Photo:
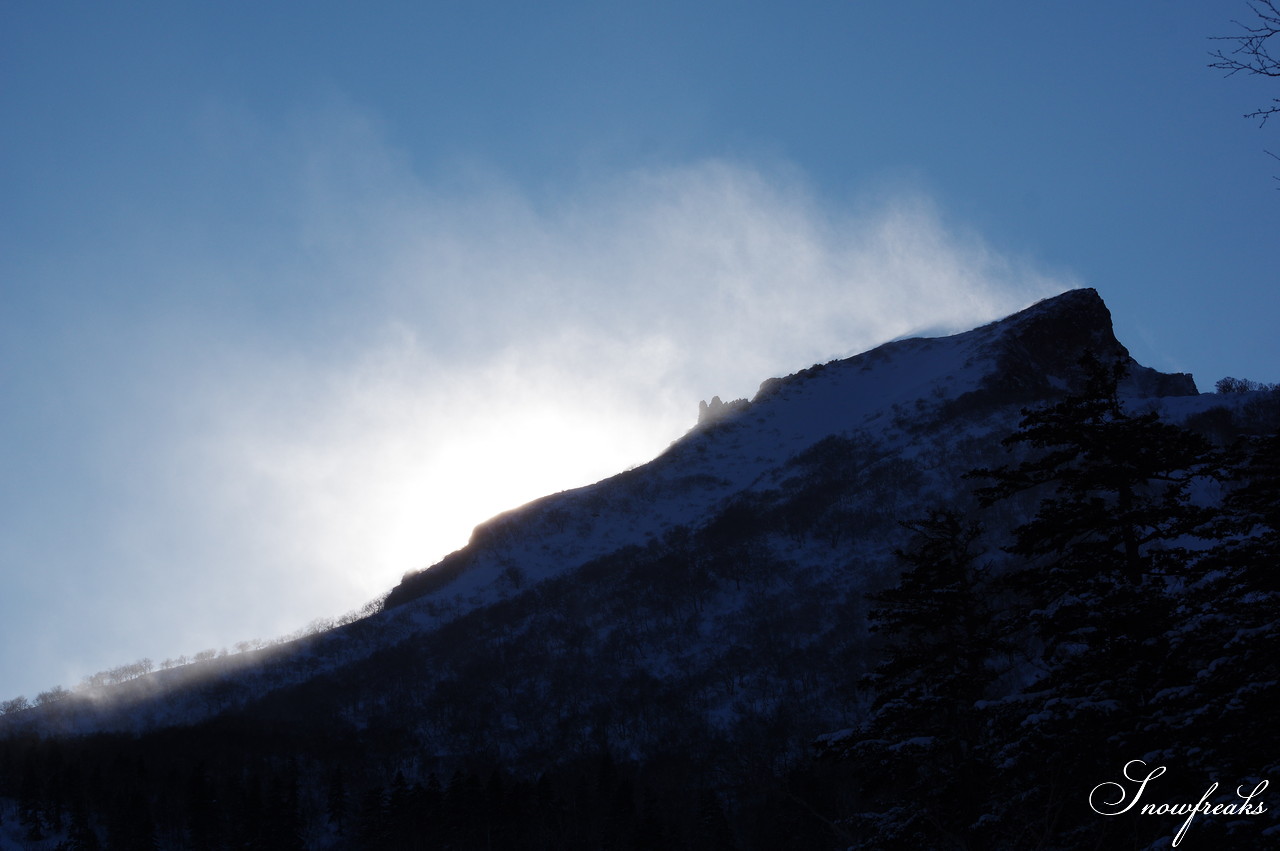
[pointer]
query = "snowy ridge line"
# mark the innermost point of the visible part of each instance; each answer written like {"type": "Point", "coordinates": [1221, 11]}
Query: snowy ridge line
{"type": "Point", "coordinates": [919, 402]}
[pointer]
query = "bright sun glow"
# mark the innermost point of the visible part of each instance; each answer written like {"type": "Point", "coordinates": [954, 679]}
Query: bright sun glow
{"type": "Point", "coordinates": [399, 476]}
{"type": "Point", "coordinates": [517, 350]}
{"type": "Point", "coordinates": [491, 467]}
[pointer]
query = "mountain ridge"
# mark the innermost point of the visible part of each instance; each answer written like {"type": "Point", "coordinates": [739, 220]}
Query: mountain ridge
{"type": "Point", "coordinates": [1026, 350]}
{"type": "Point", "coordinates": [967, 387]}
{"type": "Point", "coordinates": [694, 625]}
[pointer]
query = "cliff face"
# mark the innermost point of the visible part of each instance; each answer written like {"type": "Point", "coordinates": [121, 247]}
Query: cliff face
{"type": "Point", "coordinates": [716, 410]}
{"type": "Point", "coordinates": [1040, 348]}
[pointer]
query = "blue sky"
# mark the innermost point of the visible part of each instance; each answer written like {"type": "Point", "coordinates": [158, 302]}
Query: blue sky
{"type": "Point", "coordinates": [292, 295]}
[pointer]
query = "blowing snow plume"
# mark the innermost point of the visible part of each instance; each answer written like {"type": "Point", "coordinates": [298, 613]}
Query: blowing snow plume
{"type": "Point", "coordinates": [527, 346]}
{"type": "Point", "coordinates": [392, 360]}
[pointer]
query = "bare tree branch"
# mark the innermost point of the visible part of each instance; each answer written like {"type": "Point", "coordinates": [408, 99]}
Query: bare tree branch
{"type": "Point", "coordinates": [1252, 53]}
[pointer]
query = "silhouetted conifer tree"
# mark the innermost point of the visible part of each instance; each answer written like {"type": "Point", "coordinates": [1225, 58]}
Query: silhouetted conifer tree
{"type": "Point", "coordinates": [712, 831]}
{"type": "Point", "coordinates": [373, 819]}
{"type": "Point", "coordinates": [31, 804]}
{"type": "Point", "coordinates": [336, 800]}
{"type": "Point", "coordinates": [1221, 716]}
{"type": "Point", "coordinates": [1095, 574]}
{"type": "Point", "coordinates": [922, 753]}
{"type": "Point", "coordinates": [80, 834]}
{"type": "Point", "coordinates": [202, 820]}
{"type": "Point", "coordinates": [284, 829]}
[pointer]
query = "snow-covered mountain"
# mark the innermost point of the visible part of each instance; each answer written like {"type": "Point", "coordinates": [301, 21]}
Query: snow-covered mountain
{"type": "Point", "coordinates": [754, 535]}
{"type": "Point", "coordinates": [705, 611]}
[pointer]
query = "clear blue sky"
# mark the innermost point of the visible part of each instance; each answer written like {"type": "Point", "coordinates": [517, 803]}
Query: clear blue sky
{"type": "Point", "coordinates": [293, 294]}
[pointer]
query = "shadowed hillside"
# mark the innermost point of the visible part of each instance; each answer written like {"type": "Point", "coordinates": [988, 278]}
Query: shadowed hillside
{"type": "Point", "coordinates": [856, 610]}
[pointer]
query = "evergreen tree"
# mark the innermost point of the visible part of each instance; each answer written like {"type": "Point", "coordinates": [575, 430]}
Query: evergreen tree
{"type": "Point", "coordinates": [1096, 574]}
{"type": "Point", "coordinates": [428, 802]}
{"type": "Point", "coordinates": [80, 834]}
{"type": "Point", "coordinates": [336, 800]}
{"type": "Point", "coordinates": [202, 816]}
{"type": "Point", "coordinates": [130, 826]}
{"type": "Point", "coordinates": [31, 803]}
{"type": "Point", "coordinates": [922, 752]}
{"type": "Point", "coordinates": [400, 828]}
{"type": "Point", "coordinates": [712, 831]}
{"type": "Point", "coordinates": [284, 828]}
{"type": "Point", "coordinates": [373, 819]}
{"type": "Point", "coordinates": [1222, 713]}
{"type": "Point", "coordinates": [1117, 487]}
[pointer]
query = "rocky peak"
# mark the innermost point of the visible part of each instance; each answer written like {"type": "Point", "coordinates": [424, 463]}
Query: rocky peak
{"type": "Point", "coordinates": [716, 410]}
{"type": "Point", "coordinates": [1038, 349]}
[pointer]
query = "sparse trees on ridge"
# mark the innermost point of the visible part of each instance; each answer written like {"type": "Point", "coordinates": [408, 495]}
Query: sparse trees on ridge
{"type": "Point", "coordinates": [133, 670]}
{"type": "Point", "coordinates": [53, 695]}
{"type": "Point", "coordinates": [1241, 385]}
{"type": "Point", "coordinates": [119, 674]}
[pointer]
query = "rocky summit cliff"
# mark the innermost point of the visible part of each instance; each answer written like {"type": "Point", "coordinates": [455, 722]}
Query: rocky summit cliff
{"type": "Point", "coordinates": [703, 618]}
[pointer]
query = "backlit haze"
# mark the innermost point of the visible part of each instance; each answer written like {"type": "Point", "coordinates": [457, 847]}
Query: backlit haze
{"type": "Point", "coordinates": [292, 298]}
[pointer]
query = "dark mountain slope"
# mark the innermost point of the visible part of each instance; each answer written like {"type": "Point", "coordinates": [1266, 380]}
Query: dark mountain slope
{"type": "Point", "coordinates": [702, 618]}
